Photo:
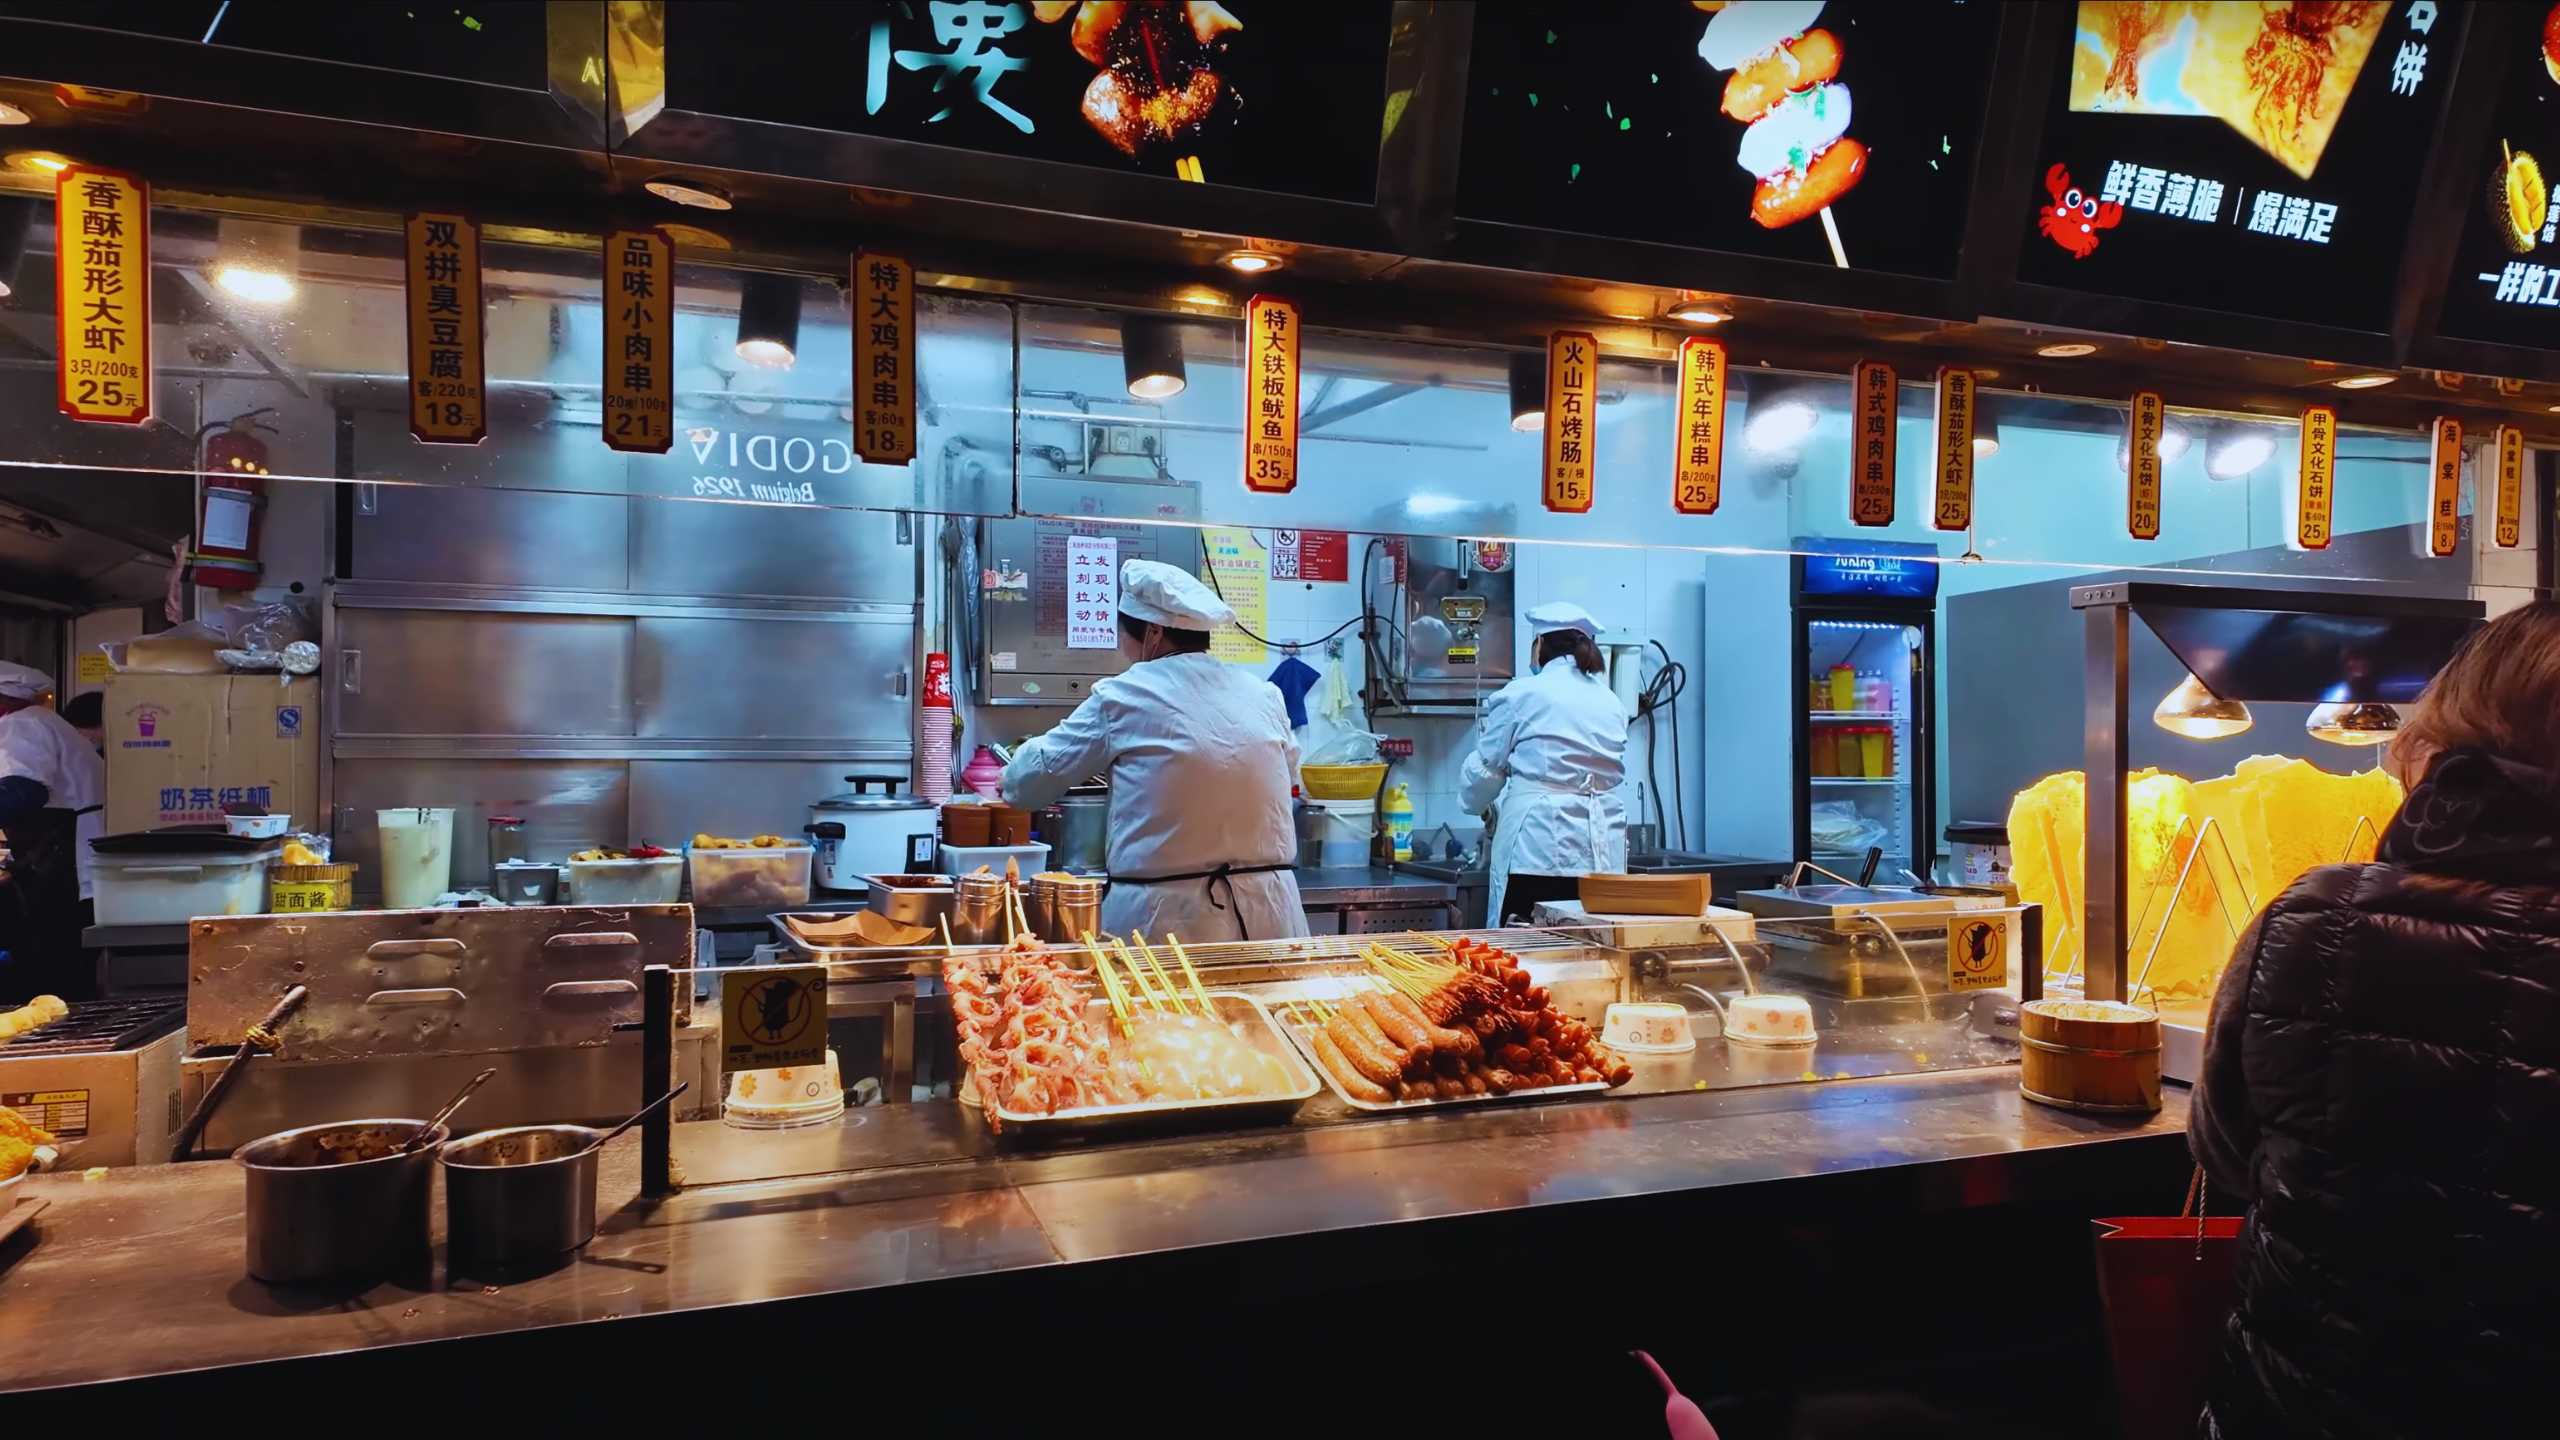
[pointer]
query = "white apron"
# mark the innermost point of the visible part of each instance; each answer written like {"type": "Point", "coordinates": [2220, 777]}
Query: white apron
{"type": "Point", "coordinates": [1553, 747]}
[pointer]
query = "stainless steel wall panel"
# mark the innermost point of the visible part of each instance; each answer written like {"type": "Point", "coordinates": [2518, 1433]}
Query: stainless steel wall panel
{"type": "Point", "coordinates": [755, 679]}
{"type": "Point", "coordinates": [673, 799]}
{"type": "Point", "coordinates": [434, 672]}
{"type": "Point", "coordinates": [456, 536]}
{"type": "Point", "coordinates": [683, 547]}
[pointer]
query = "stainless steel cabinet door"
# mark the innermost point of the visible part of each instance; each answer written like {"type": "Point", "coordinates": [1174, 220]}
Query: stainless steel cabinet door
{"type": "Point", "coordinates": [454, 536]}
{"type": "Point", "coordinates": [441, 672]}
{"type": "Point", "coordinates": [686, 547]}
{"type": "Point", "coordinates": [742, 679]}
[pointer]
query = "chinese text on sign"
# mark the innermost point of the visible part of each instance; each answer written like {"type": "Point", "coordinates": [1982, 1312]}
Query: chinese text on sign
{"type": "Point", "coordinates": [2444, 498]}
{"type": "Point", "coordinates": [2313, 493]}
{"type": "Point", "coordinates": [1271, 396]}
{"type": "Point", "coordinates": [448, 375]}
{"type": "Point", "coordinates": [2145, 423]}
{"type": "Point", "coordinates": [1879, 400]}
{"type": "Point", "coordinates": [2510, 487]}
{"type": "Point", "coordinates": [639, 341]}
{"type": "Point", "coordinates": [1093, 592]}
{"type": "Point", "coordinates": [884, 359]}
{"type": "Point", "coordinates": [102, 278]}
{"type": "Point", "coordinates": [1573, 392]}
{"type": "Point", "coordinates": [1954, 508]}
{"type": "Point", "coordinates": [1697, 453]}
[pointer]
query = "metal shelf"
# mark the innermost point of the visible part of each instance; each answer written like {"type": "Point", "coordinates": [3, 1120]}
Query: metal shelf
{"type": "Point", "coordinates": [1897, 716]}
{"type": "Point", "coordinates": [1856, 780]}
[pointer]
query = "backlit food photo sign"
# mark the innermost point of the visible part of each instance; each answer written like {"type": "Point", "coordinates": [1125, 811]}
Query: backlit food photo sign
{"type": "Point", "coordinates": [2505, 281]}
{"type": "Point", "coordinates": [2244, 157]}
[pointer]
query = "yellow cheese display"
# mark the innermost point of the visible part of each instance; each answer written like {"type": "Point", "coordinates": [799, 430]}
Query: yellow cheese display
{"type": "Point", "coordinates": [2260, 828]}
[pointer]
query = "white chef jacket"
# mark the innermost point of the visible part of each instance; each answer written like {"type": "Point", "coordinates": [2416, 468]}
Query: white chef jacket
{"type": "Point", "coordinates": [1554, 747]}
{"type": "Point", "coordinates": [39, 745]}
{"type": "Point", "coordinates": [1202, 762]}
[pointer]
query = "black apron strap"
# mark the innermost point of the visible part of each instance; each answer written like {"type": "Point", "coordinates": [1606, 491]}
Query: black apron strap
{"type": "Point", "coordinates": [1213, 880]}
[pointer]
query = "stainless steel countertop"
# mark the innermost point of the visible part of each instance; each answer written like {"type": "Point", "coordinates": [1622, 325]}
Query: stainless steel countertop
{"type": "Point", "coordinates": [140, 1272]}
{"type": "Point", "coordinates": [1322, 888]}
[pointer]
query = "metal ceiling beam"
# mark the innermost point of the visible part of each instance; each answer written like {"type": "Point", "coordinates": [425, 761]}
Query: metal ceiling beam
{"type": "Point", "coordinates": [1359, 404]}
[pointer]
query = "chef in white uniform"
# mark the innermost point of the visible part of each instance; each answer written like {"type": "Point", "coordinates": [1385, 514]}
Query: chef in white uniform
{"type": "Point", "coordinates": [53, 786]}
{"type": "Point", "coordinates": [1202, 764]}
{"type": "Point", "coordinates": [1553, 747]}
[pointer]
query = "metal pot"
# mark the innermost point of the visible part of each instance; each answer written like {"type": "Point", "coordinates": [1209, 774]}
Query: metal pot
{"type": "Point", "coordinates": [1080, 833]}
{"type": "Point", "coordinates": [859, 833]}
{"type": "Point", "coordinates": [333, 1202]}
{"type": "Point", "coordinates": [520, 1197]}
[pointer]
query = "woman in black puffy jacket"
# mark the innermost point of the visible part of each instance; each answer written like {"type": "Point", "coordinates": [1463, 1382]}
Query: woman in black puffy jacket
{"type": "Point", "coordinates": [2382, 1089]}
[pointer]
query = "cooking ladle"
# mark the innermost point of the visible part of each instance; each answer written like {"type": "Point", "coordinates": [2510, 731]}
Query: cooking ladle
{"type": "Point", "coordinates": [636, 1117]}
{"type": "Point", "coordinates": [419, 1140]}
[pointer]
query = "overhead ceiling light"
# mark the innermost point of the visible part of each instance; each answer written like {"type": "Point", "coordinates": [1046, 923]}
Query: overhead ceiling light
{"type": "Point", "coordinates": [2199, 714]}
{"type": "Point", "coordinates": [12, 115]}
{"type": "Point", "coordinates": [16, 218]}
{"type": "Point", "coordinates": [43, 162]}
{"type": "Point", "coordinates": [256, 260]}
{"type": "Point", "coordinates": [2174, 441]}
{"type": "Point", "coordinates": [1151, 357]}
{"type": "Point", "coordinates": [1202, 295]}
{"type": "Point", "coordinates": [769, 320]}
{"type": "Point", "coordinates": [2068, 350]}
{"type": "Point", "coordinates": [2352, 722]}
{"type": "Point", "coordinates": [695, 236]}
{"type": "Point", "coordinates": [1528, 392]}
{"type": "Point", "coordinates": [2363, 382]}
{"type": "Point", "coordinates": [1251, 262]}
{"type": "Point", "coordinates": [1779, 429]}
{"type": "Point", "coordinates": [2240, 454]}
{"type": "Point", "coordinates": [1697, 312]}
{"type": "Point", "coordinates": [696, 194]}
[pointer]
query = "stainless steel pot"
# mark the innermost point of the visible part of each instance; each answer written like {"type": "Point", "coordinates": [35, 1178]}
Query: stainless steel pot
{"type": "Point", "coordinates": [1065, 911]}
{"type": "Point", "coordinates": [860, 833]}
{"type": "Point", "coordinates": [335, 1202]}
{"type": "Point", "coordinates": [1083, 832]}
{"type": "Point", "coordinates": [518, 1198]}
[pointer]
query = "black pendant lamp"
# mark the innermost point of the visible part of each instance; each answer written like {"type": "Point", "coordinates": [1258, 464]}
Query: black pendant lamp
{"type": "Point", "coordinates": [769, 320]}
{"type": "Point", "coordinates": [16, 218]}
{"type": "Point", "coordinates": [1151, 356]}
{"type": "Point", "coordinates": [1528, 392]}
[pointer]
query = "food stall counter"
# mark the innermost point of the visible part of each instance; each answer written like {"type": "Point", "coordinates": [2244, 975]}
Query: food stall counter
{"type": "Point", "coordinates": [139, 1273]}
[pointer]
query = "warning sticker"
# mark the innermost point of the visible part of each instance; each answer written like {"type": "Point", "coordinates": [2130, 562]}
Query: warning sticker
{"type": "Point", "coordinates": [64, 1112]}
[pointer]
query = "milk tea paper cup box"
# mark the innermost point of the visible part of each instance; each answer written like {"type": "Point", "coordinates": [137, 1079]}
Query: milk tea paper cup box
{"type": "Point", "coordinates": [180, 747]}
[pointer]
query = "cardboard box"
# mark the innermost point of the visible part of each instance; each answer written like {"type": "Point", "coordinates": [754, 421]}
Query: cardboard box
{"type": "Point", "coordinates": [180, 747]}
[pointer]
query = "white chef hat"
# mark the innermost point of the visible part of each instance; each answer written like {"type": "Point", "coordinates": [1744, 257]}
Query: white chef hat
{"type": "Point", "coordinates": [1562, 615]}
{"type": "Point", "coordinates": [20, 682]}
{"type": "Point", "coordinates": [1161, 594]}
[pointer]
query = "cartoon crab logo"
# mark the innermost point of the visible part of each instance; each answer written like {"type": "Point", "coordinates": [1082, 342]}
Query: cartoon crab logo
{"type": "Point", "coordinates": [2074, 219]}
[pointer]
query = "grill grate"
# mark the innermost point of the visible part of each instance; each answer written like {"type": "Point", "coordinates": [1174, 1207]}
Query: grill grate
{"type": "Point", "coordinates": [97, 1026]}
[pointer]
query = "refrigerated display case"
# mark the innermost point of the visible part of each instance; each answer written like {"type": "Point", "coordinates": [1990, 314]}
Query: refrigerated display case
{"type": "Point", "coordinates": [1865, 707]}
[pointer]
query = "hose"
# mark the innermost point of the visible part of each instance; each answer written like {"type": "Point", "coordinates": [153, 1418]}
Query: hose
{"type": "Point", "coordinates": [1662, 692]}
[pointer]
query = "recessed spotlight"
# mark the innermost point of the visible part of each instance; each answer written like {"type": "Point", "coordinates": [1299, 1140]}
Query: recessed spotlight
{"type": "Point", "coordinates": [696, 194]}
{"type": "Point", "coordinates": [1696, 312]}
{"type": "Point", "coordinates": [43, 162]}
{"type": "Point", "coordinates": [1251, 262]}
{"type": "Point", "coordinates": [1985, 446]}
{"type": "Point", "coordinates": [12, 115]}
{"type": "Point", "coordinates": [2068, 350]}
{"type": "Point", "coordinates": [2363, 382]}
{"type": "Point", "coordinates": [258, 287]}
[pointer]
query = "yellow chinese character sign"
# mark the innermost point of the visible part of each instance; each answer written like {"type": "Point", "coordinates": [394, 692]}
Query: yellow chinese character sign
{"type": "Point", "coordinates": [2315, 492]}
{"type": "Point", "coordinates": [2144, 425]}
{"type": "Point", "coordinates": [884, 358]}
{"type": "Point", "coordinates": [102, 274]}
{"type": "Point", "coordinates": [1271, 396]}
{"type": "Point", "coordinates": [1697, 452]}
{"type": "Point", "coordinates": [1573, 395]}
{"type": "Point", "coordinates": [448, 361]}
{"type": "Point", "coordinates": [2444, 493]}
{"type": "Point", "coordinates": [1954, 507]}
{"type": "Point", "coordinates": [639, 341]}
{"type": "Point", "coordinates": [1878, 394]}
{"type": "Point", "coordinates": [2510, 487]}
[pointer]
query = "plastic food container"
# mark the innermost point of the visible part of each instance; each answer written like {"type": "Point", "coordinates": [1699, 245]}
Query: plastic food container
{"type": "Point", "coordinates": [1647, 1028]}
{"type": "Point", "coordinates": [173, 889]}
{"type": "Point", "coordinates": [1030, 859]}
{"type": "Point", "coordinates": [1769, 1020]}
{"type": "Point", "coordinates": [258, 827]}
{"type": "Point", "coordinates": [768, 879]}
{"type": "Point", "coordinates": [630, 882]}
{"type": "Point", "coordinates": [784, 1099]}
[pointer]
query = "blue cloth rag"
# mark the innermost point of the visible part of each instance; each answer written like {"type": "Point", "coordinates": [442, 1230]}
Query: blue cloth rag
{"type": "Point", "coordinates": [1294, 678]}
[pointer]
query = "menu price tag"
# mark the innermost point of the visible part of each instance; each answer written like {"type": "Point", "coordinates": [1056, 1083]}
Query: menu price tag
{"type": "Point", "coordinates": [1570, 445]}
{"type": "Point", "coordinates": [2444, 499]}
{"type": "Point", "coordinates": [639, 341]}
{"type": "Point", "coordinates": [1093, 592]}
{"type": "Point", "coordinates": [102, 278]}
{"type": "Point", "coordinates": [2510, 487]}
{"type": "Point", "coordinates": [1271, 400]}
{"type": "Point", "coordinates": [884, 358]}
{"type": "Point", "coordinates": [1954, 507]}
{"type": "Point", "coordinates": [2144, 426]}
{"type": "Point", "coordinates": [448, 362]}
{"type": "Point", "coordinates": [1697, 457]}
{"type": "Point", "coordinates": [773, 1016]}
{"type": "Point", "coordinates": [1878, 392]}
{"type": "Point", "coordinates": [2315, 489]}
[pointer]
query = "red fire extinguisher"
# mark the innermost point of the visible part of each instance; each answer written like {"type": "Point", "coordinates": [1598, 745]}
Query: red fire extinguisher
{"type": "Point", "coordinates": [232, 463]}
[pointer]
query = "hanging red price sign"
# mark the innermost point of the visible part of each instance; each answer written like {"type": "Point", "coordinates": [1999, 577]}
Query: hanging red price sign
{"type": "Point", "coordinates": [1271, 396]}
{"type": "Point", "coordinates": [1697, 453]}
{"type": "Point", "coordinates": [2315, 489]}
{"type": "Point", "coordinates": [1573, 396]}
{"type": "Point", "coordinates": [1877, 392]}
{"type": "Point", "coordinates": [2143, 428]}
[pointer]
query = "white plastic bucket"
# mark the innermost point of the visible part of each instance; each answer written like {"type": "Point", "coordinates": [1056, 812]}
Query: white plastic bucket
{"type": "Point", "coordinates": [1348, 827]}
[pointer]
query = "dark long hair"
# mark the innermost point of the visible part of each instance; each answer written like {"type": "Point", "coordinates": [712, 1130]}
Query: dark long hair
{"type": "Point", "coordinates": [1584, 650]}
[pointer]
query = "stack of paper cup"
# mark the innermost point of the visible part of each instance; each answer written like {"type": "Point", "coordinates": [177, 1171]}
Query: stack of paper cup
{"type": "Point", "coordinates": [933, 736]}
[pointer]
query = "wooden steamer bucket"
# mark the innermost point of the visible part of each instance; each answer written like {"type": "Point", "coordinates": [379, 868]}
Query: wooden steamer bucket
{"type": "Point", "coordinates": [2090, 1055]}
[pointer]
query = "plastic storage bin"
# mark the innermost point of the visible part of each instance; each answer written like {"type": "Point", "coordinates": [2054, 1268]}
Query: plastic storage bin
{"type": "Point", "coordinates": [173, 889]}
{"type": "Point", "coordinates": [626, 882]}
{"type": "Point", "coordinates": [769, 879]}
{"type": "Point", "coordinates": [1031, 859]}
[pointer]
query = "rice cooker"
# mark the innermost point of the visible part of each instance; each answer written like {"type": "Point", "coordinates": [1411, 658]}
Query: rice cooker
{"type": "Point", "coordinates": [863, 832]}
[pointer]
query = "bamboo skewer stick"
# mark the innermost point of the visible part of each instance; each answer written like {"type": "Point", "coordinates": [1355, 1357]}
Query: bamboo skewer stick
{"type": "Point", "coordinates": [1198, 991]}
{"type": "Point", "coordinates": [1164, 977]}
{"type": "Point", "coordinates": [1146, 987]}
